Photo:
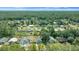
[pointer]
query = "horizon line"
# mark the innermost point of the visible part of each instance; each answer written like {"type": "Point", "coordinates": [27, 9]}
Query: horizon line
{"type": "Point", "coordinates": [40, 8]}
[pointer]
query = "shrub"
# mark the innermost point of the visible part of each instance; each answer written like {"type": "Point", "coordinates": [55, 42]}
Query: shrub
{"type": "Point", "coordinates": [16, 47]}
{"type": "Point", "coordinates": [41, 47]}
{"type": "Point", "coordinates": [75, 48]}
{"type": "Point", "coordinates": [13, 47]}
{"type": "Point", "coordinates": [55, 47]}
{"type": "Point", "coordinates": [4, 48]}
{"type": "Point", "coordinates": [33, 47]}
{"type": "Point", "coordinates": [59, 47]}
{"type": "Point", "coordinates": [76, 41]}
{"type": "Point", "coordinates": [70, 40]}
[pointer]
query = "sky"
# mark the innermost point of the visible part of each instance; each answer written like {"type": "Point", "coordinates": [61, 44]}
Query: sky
{"type": "Point", "coordinates": [39, 8]}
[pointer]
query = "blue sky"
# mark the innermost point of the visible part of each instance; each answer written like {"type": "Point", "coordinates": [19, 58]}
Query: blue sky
{"type": "Point", "coordinates": [40, 8]}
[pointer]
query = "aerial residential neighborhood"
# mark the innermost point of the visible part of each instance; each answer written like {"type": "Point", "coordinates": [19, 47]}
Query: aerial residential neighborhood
{"type": "Point", "coordinates": [39, 30]}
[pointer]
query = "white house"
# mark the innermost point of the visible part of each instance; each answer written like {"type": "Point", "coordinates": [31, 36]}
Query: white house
{"type": "Point", "coordinates": [13, 40]}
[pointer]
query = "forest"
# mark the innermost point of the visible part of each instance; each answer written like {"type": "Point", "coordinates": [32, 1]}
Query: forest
{"type": "Point", "coordinates": [39, 30]}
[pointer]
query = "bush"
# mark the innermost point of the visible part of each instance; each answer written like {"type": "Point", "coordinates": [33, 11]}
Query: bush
{"type": "Point", "coordinates": [4, 48]}
{"type": "Point", "coordinates": [62, 47]}
{"type": "Point", "coordinates": [70, 40]}
{"type": "Point", "coordinates": [41, 47]}
{"type": "Point", "coordinates": [76, 41]}
{"type": "Point", "coordinates": [33, 47]}
{"type": "Point", "coordinates": [55, 47]}
{"type": "Point", "coordinates": [13, 47]}
{"type": "Point", "coordinates": [75, 48]}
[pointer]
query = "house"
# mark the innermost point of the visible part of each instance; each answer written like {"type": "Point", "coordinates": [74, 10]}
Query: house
{"type": "Point", "coordinates": [3, 40]}
{"type": "Point", "coordinates": [24, 42]}
{"type": "Point", "coordinates": [38, 40]}
{"type": "Point", "coordinates": [31, 25]}
{"type": "Point", "coordinates": [51, 39]}
{"type": "Point", "coordinates": [61, 39]}
{"type": "Point", "coordinates": [13, 40]}
{"type": "Point", "coordinates": [59, 29]}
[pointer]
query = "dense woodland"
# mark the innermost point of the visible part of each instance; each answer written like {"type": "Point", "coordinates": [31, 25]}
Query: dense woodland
{"type": "Point", "coordinates": [57, 30]}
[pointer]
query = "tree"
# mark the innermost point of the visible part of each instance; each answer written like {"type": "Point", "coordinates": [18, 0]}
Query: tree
{"type": "Point", "coordinates": [6, 30]}
{"type": "Point", "coordinates": [51, 30]}
{"type": "Point", "coordinates": [45, 36]}
{"type": "Point", "coordinates": [70, 40]}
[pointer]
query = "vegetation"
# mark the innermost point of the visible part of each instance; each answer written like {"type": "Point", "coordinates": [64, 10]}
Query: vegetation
{"type": "Point", "coordinates": [12, 47]}
{"type": "Point", "coordinates": [62, 26]}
